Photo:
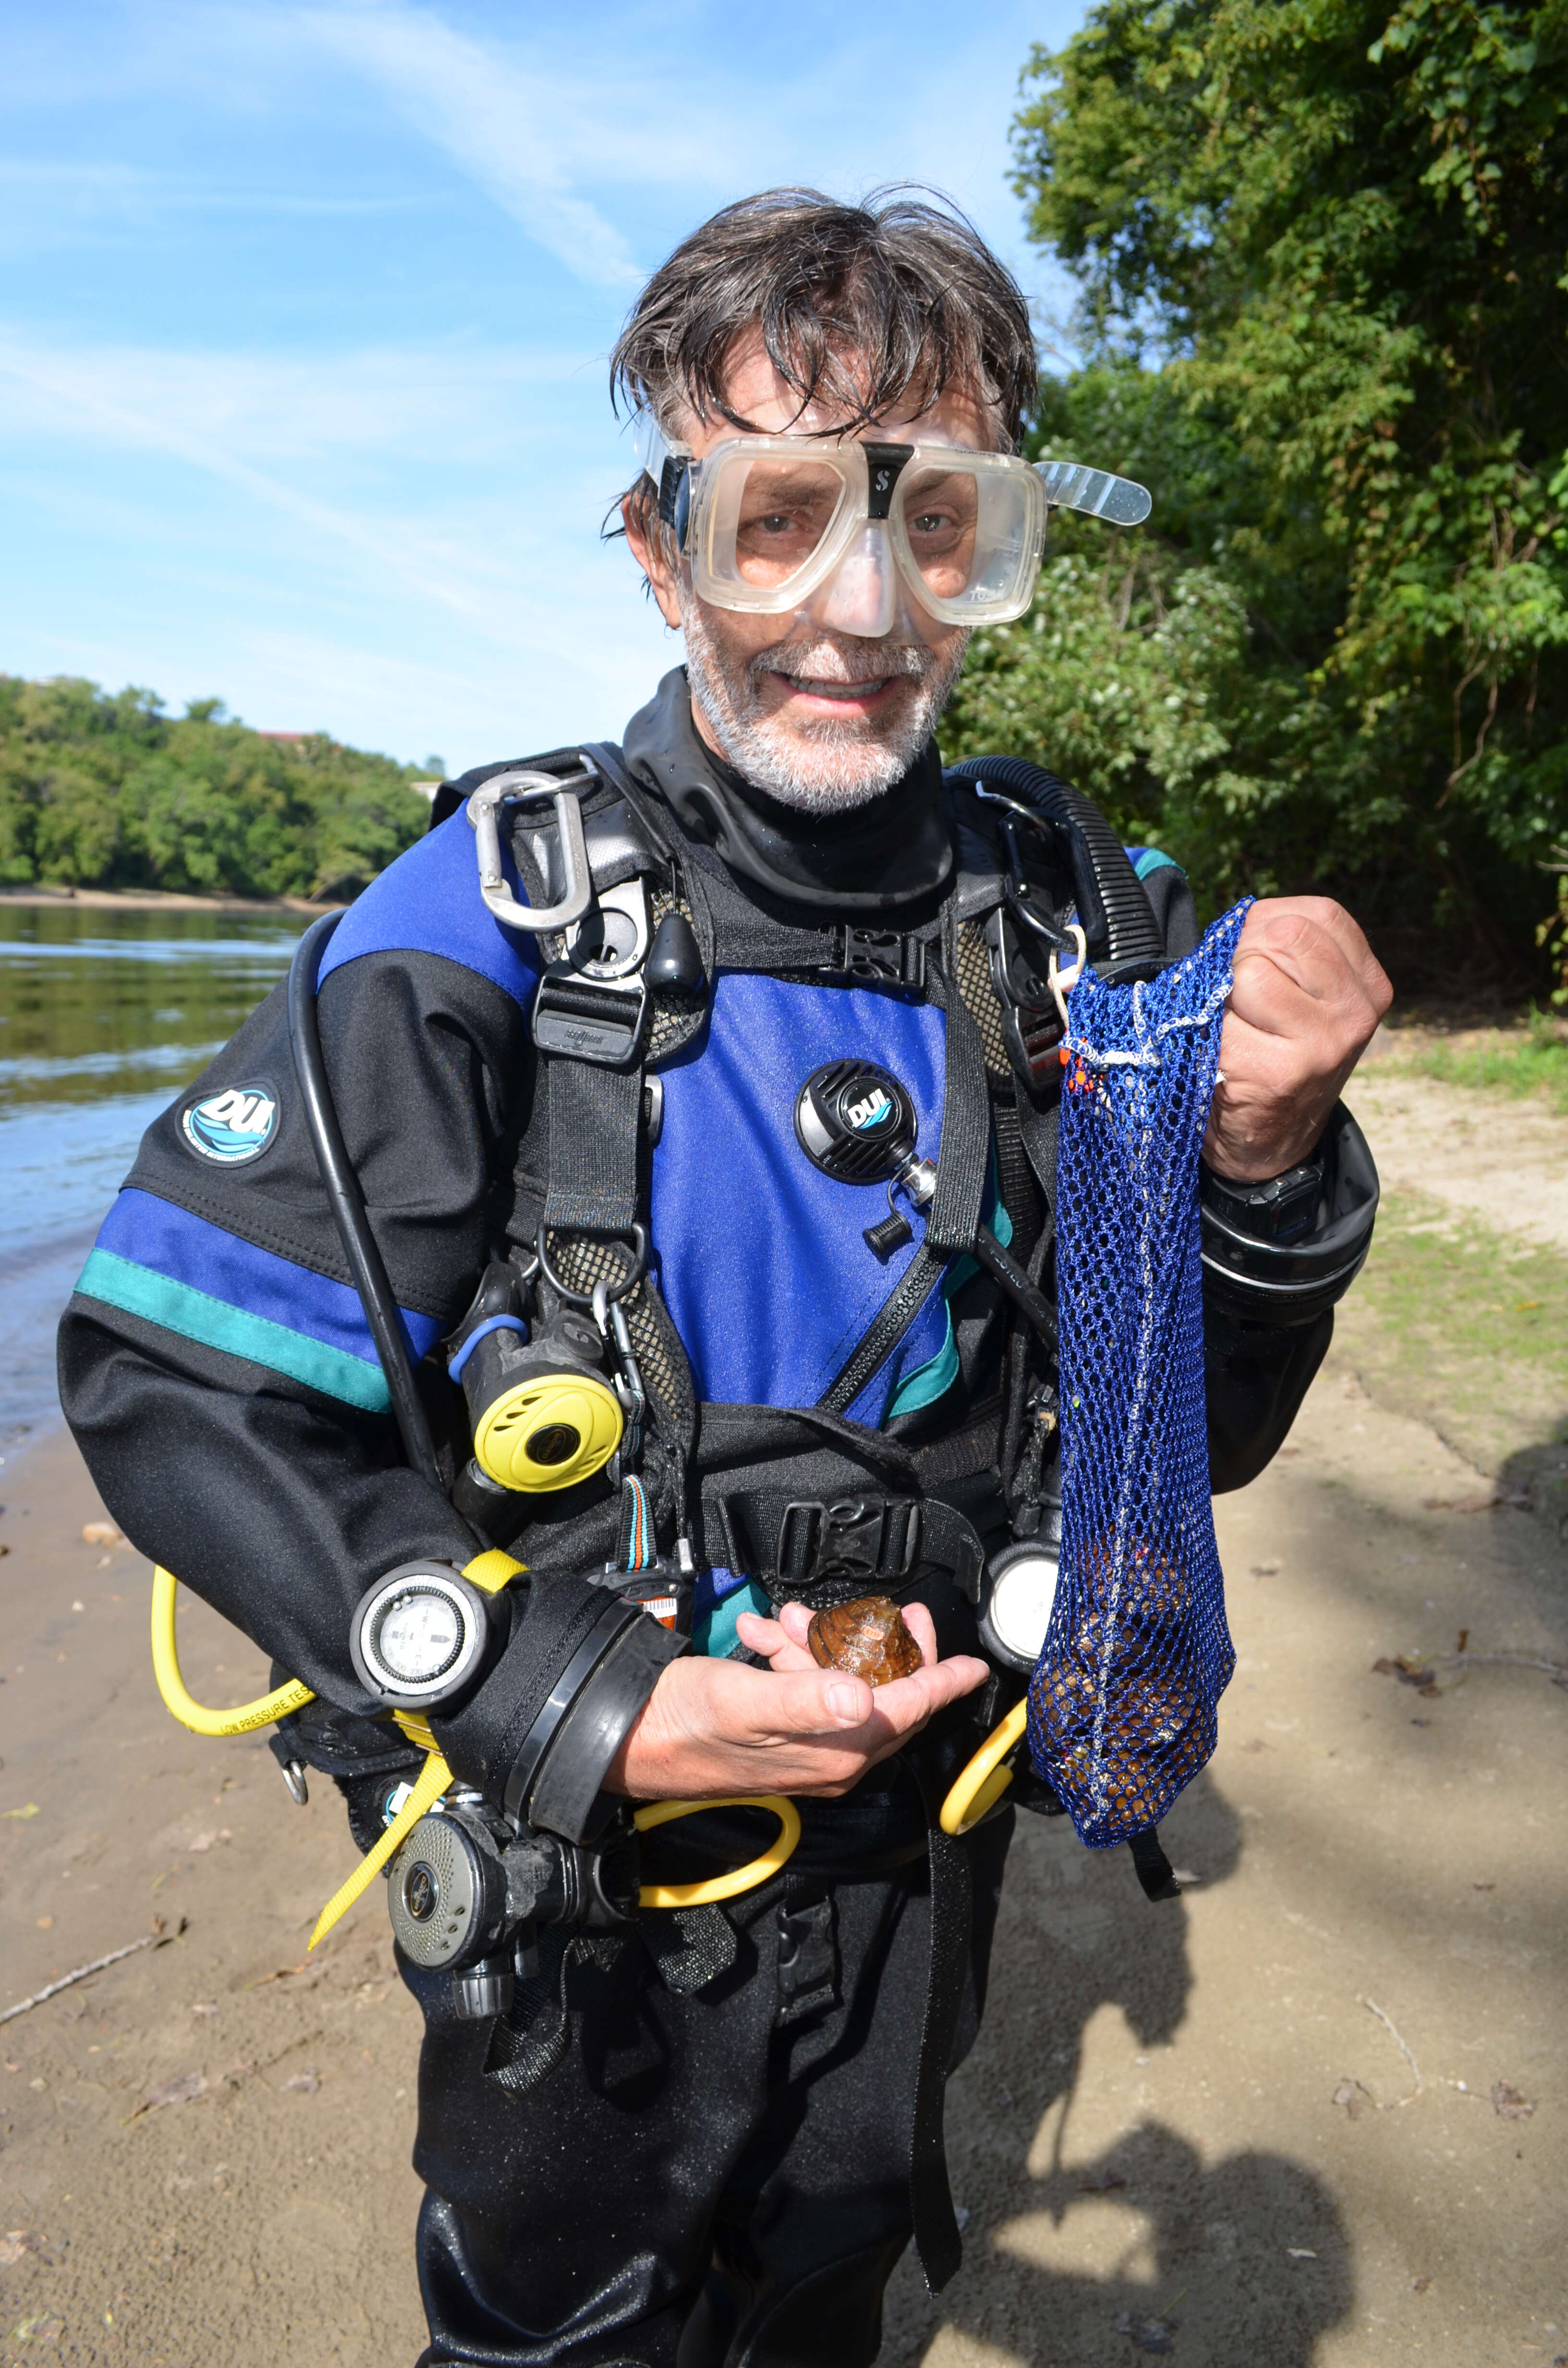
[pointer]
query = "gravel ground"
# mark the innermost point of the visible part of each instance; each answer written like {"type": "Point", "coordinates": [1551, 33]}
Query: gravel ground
{"type": "Point", "coordinates": [1312, 2112]}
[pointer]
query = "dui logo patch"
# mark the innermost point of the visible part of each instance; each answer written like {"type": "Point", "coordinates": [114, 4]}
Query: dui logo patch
{"type": "Point", "coordinates": [231, 1126]}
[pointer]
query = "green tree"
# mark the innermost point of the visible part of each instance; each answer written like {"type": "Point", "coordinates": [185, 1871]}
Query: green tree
{"type": "Point", "coordinates": [1322, 256]}
{"type": "Point", "coordinates": [105, 790]}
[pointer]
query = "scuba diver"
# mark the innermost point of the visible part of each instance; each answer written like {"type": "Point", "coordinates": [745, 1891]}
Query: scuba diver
{"type": "Point", "coordinates": [628, 1244]}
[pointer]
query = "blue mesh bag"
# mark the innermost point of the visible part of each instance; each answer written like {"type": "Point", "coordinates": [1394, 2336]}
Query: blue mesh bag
{"type": "Point", "coordinates": [1124, 1698]}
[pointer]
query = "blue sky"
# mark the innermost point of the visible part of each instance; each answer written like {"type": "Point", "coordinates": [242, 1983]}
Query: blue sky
{"type": "Point", "coordinates": [304, 313]}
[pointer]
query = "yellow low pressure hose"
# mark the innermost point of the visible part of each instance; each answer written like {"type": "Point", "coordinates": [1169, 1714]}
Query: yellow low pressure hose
{"type": "Point", "coordinates": [985, 1778]}
{"type": "Point", "coordinates": [491, 1571]}
{"type": "Point", "coordinates": [741, 1878]}
{"type": "Point", "coordinates": [244, 1720]}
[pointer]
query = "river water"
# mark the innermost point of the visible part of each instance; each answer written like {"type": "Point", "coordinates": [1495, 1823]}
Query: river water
{"type": "Point", "coordinates": [104, 1017]}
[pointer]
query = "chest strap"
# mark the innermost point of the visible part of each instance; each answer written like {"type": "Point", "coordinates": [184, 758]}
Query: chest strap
{"type": "Point", "coordinates": [819, 1550]}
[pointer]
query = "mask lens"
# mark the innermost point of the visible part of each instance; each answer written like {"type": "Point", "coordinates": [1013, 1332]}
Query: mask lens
{"type": "Point", "coordinates": [972, 532]}
{"type": "Point", "coordinates": [768, 519]}
{"type": "Point", "coordinates": [941, 517]}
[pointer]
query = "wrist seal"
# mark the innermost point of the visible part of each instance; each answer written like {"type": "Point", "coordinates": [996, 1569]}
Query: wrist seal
{"type": "Point", "coordinates": [1283, 1252]}
{"type": "Point", "coordinates": [539, 1736]}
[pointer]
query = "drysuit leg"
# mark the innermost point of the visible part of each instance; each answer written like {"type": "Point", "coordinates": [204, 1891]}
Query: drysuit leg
{"type": "Point", "coordinates": [701, 2180]}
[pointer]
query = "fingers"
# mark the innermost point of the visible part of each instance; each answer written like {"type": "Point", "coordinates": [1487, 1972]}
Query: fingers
{"type": "Point", "coordinates": [1312, 944]}
{"type": "Point", "coordinates": [1306, 997]}
{"type": "Point", "coordinates": [923, 1628]}
{"type": "Point", "coordinates": [776, 1640]}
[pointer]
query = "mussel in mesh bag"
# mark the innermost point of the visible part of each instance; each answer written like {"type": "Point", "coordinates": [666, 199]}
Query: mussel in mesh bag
{"type": "Point", "coordinates": [1123, 1717]}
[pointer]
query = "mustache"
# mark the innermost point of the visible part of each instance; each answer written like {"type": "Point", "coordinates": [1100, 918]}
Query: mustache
{"type": "Point", "coordinates": [827, 661]}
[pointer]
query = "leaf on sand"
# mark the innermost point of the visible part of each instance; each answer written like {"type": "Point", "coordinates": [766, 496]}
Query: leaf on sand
{"type": "Point", "coordinates": [43, 2327]}
{"type": "Point", "coordinates": [31, 1811]}
{"type": "Point", "coordinates": [1508, 2104]}
{"type": "Point", "coordinates": [1354, 2098]}
{"type": "Point", "coordinates": [1148, 2334]}
{"type": "Point", "coordinates": [307, 2081]}
{"type": "Point", "coordinates": [178, 2091]}
{"type": "Point", "coordinates": [14, 2243]}
{"type": "Point", "coordinates": [101, 1533]}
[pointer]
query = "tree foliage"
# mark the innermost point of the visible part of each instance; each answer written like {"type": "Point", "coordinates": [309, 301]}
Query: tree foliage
{"type": "Point", "coordinates": [1322, 256]}
{"type": "Point", "coordinates": [106, 792]}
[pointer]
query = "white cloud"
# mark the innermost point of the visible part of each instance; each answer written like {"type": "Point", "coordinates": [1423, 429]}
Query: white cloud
{"type": "Point", "coordinates": [490, 118]}
{"type": "Point", "coordinates": [473, 404]}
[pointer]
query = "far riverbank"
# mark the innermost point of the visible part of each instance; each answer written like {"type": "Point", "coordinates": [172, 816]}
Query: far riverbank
{"type": "Point", "coordinates": [156, 899]}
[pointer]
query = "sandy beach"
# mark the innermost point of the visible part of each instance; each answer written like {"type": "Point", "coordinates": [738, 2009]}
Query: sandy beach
{"type": "Point", "coordinates": [1312, 2112]}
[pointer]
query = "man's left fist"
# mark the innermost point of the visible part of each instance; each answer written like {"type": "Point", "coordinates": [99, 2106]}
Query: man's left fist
{"type": "Point", "coordinates": [1307, 994]}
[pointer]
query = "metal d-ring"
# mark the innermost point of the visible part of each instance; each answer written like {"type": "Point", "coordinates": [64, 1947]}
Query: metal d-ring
{"type": "Point", "coordinates": [586, 1298]}
{"type": "Point", "coordinates": [520, 788]}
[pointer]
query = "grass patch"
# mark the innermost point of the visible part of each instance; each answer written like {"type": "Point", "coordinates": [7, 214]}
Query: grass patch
{"type": "Point", "coordinates": [1536, 1062]}
{"type": "Point", "coordinates": [1463, 1327]}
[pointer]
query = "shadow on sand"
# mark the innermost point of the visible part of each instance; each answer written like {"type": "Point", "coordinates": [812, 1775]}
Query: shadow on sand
{"type": "Point", "coordinates": [1192, 2260]}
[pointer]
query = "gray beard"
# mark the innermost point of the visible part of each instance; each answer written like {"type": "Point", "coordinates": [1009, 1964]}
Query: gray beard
{"type": "Point", "coordinates": [833, 767]}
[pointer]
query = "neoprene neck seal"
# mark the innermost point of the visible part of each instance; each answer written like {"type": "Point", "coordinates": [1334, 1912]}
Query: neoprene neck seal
{"type": "Point", "coordinates": [884, 856]}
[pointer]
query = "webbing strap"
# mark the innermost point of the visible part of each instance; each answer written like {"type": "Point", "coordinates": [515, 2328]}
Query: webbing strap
{"type": "Point", "coordinates": [930, 2195]}
{"type": "Point", "coordinates": [955, 1206]}
{"type": "Point", "coordinates": [594, 1118]}
{"type": "Point", "coordinates": [966, 1115]}
{"type": "Point", "coordinates": [1039, 1126]}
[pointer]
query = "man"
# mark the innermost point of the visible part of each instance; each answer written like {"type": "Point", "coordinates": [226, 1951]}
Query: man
{"type": "Point", "coordinates": [703, 2135]}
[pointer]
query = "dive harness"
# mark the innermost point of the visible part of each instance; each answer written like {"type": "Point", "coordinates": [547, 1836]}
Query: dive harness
{"type": "Point", "coordinates": [543, 1412]}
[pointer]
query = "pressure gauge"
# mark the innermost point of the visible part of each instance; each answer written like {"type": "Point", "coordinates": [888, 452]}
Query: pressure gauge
{"type": "Point", "coordinates": [1021, 1590]}
{"type": "Point", "coordinates": [418, 1634]}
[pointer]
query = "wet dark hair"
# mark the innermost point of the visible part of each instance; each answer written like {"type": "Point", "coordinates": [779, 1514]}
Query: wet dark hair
{"type": "Point", "coordinates": [859, 306]}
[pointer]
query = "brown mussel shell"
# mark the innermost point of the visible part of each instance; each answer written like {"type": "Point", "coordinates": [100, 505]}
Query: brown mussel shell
{"type": "Point", "coordinates": [867, 1638]}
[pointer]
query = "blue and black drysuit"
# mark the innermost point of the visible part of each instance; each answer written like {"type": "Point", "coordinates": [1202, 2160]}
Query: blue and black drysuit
{"type": "Point", "coordinates": [694, 2141]}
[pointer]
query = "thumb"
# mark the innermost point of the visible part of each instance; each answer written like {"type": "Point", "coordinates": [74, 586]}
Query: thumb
{"type": "Point", "coordinates": [813, 1702]}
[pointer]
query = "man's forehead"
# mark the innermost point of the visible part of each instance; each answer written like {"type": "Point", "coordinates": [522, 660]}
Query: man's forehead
{"type": "Point", "coordinates": [757, 391]}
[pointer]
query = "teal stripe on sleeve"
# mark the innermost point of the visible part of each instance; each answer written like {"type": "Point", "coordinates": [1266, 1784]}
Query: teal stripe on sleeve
{"type": "Point", "coordinates": [196, 1316]}
{"type": "Point", "coordinates": [1154, 859]}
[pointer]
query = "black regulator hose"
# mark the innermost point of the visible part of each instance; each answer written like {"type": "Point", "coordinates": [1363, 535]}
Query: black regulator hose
{"type": "Point", "coordinates": [347, 1203]}
{"type": "Point", "coordinates": [1118, 921]}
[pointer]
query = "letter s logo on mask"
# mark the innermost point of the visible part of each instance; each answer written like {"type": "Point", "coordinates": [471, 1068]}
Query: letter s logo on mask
{"type": "Point", "coordinates": [233, 1126]}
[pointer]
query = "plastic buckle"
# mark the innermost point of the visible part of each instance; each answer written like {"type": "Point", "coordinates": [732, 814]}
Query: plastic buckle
{"type": "Point", "coordinates": [599, 1021]}
{"type": "Point", "coordinates": [884, 957]}
{"type": "Point", "coordinates": [854, 1538]}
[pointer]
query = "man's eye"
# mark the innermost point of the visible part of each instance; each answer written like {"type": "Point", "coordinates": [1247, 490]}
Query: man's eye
{"type": "Point", "coordinates": [930, 523]}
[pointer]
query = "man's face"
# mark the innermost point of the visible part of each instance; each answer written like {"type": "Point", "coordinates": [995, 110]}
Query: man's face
{"type": "Point", "coordinates": [819, 714]}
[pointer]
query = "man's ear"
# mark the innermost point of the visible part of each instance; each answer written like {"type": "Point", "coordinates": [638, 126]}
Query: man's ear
{"type": "Point", "coordinates": [650, 545]}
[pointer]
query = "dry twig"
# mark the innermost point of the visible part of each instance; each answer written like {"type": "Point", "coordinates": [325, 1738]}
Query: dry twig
{"type": "Point", "coordinates": [154, 1940]}
{"type": "Point", "coordinates": [1373, 2007]}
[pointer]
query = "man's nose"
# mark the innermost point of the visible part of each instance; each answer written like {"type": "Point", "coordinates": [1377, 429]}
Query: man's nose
{"type": "Point", "coordinates": [862, 595]}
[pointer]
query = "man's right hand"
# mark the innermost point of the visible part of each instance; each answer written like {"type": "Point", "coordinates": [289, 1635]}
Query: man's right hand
{"type": "Point", "coordinates": [714, 1727]}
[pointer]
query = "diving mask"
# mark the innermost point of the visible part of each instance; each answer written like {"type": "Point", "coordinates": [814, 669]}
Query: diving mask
{"type": "Point", "coordinates": [765, 521]}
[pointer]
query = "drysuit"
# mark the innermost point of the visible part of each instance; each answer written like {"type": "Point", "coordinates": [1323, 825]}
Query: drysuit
{"type": "Point", "coordinates": [699, 2142]}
